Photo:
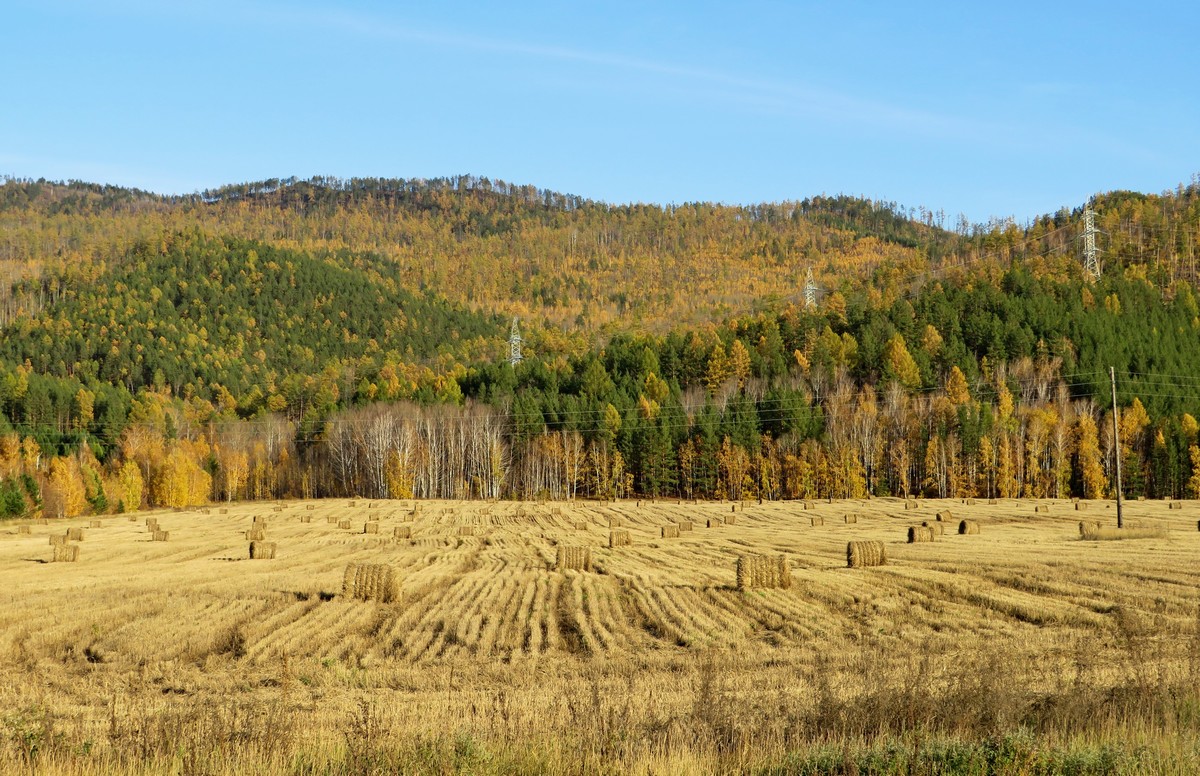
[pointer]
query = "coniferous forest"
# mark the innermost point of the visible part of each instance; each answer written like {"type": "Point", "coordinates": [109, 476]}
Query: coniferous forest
{"type": "Point", "coordinates": [327, 337]}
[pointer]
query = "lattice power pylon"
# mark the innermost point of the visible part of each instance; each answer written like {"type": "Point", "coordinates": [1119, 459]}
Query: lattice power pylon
{"type": "Point", "coordinates": [811, 290]}
{"type": "Point", "coordinates": [1091, 254]}
{"type": "Point", "coordinates": [514, 344]}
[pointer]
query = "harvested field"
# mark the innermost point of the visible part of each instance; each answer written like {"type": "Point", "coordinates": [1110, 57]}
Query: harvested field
{"type": "Point", "coordinates": [181, 635]}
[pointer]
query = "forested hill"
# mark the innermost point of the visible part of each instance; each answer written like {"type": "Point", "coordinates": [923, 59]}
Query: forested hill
{"type": "Point", "coordinates": [337, 337]}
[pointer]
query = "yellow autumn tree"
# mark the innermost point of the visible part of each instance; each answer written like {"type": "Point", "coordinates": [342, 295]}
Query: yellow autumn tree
{"type": "Point", "coordinates": [65, 494]}
{"type": "Point", "coordinates": [128, 488]}
{"type": "Point", "coordinates": [898, 363]}
{"type": "Point", "coordinates": [1193, 484]}
{"type": "Point", "coordinates": [739, 362]}
{"type": "Point", "coordinates": [234, 467]}
{"type": "Point", "coordinates": [1091, 466]}
{"type": "Point", "coordinates": [180, 481]}
{"type": "Point", "coordinates": [957, 390]}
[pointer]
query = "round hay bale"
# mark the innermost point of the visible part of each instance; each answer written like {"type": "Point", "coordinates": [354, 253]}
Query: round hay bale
{"type": "Point", "coordinates": [402, 532]}
{"type": "Point", "coordinates": [970, 502]}
{"type": "Point", "coordinates": [615, 522]}
{"type": "Point", "coordinates": [670, 532]}
{"type": "Point", "coordinates": [256, 534]}
{"type": "Point", "coordinates": [684, 525]}
{"type": "Point", "coordinates": [864, 554]}
{"type": "Point", "coordinates": [344, 525]}
{"type": "Point", "coordinates": [918, 534]}
{"type": "Point", "coordinates": [1042, 509]}
{"type": "Point", "coordinates": [305, 518]}
{"type": "Point", "coordinates": [910, 504]}
{"type": "Point", "coordinates": [95, 524]}
{"type": "Point", "coordinates": [944, 516]}
{"type": "Point", "coordinates": [966, 527]}
{"type": "Point", "coordinates": [816, 521]}
{"type": "Point", "coordinates": [809, 505]}
{"type": "Point", "coordinates": [1080, 506]}
{"type": "Point", "coordinates": [851, 518]}
{"type": "Point", "coordinates": [58, 540]}
{"type": "Point", "coordinates": [371, 582]}
{"type": "Point", "coordinates": [1088, 528]}
{"type": "Point", "coordinates": [262, 550]}
{"type": "Point", "coordinates": [581, 525]}
{"type": "Point", "coordinates": [938, 527]}
{"type": "Point", "coordinates": [75, 534]}
{"type": "Point", "coordinates": [161, 536]}
{"type": "Point", "coordinates": [371, 527]}
{"type": "Point", "coordinates": [731, 520]}
{"type": "Point", "coordinates": [310, 507]}
{"type": "Point", "coordinates": [24, 529]}
{"type": "Point", "coordinates": [992, 502]}
{"type": "Point", "coordinates": [66, 553]}
{"type": "Point", "coordinates": [715, 522]}
{"type": "Point", "coordinates": [1175, 505]}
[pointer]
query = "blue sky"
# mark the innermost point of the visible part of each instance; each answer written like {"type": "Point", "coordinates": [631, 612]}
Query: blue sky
{"type": "Point", "coordinates": [990, 110]}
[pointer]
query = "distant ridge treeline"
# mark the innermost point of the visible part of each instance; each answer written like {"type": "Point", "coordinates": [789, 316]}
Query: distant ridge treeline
{"type": "Point", "coordinates": [338, 337]}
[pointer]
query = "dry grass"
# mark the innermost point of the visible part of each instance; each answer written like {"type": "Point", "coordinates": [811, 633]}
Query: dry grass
{"type": "Point", "coordinates": [1095, 532]}
{"type": "Point", "coordinates": [173, 658]}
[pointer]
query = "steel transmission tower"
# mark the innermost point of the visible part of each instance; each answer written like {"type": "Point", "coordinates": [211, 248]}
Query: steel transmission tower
{"type": "Point", "coordinates": [1091, 261]}
{"type": "Point", "coordinates": [514, 345]}
{"type": "Point", "coordinates": [810, 290]}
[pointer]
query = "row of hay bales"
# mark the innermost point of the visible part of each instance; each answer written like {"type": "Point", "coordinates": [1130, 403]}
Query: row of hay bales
{"type": "Point", "coordinates": [928, 531]}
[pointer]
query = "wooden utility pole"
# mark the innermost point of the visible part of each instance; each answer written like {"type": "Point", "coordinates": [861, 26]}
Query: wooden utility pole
{"type": "Point", "coordinates": [1112, 376]}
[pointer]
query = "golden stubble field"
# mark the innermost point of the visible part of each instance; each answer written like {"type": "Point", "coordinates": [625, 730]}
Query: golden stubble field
{"type": "Point", "coordinates": [186, 656]}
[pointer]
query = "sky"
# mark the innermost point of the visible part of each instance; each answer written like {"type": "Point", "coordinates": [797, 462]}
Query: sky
{"type": "Point", "coordinates": [989, 110]}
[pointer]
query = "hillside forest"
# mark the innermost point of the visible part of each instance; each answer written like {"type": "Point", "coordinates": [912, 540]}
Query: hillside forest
{"type": "Point", "coordinates": [324, 337]}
